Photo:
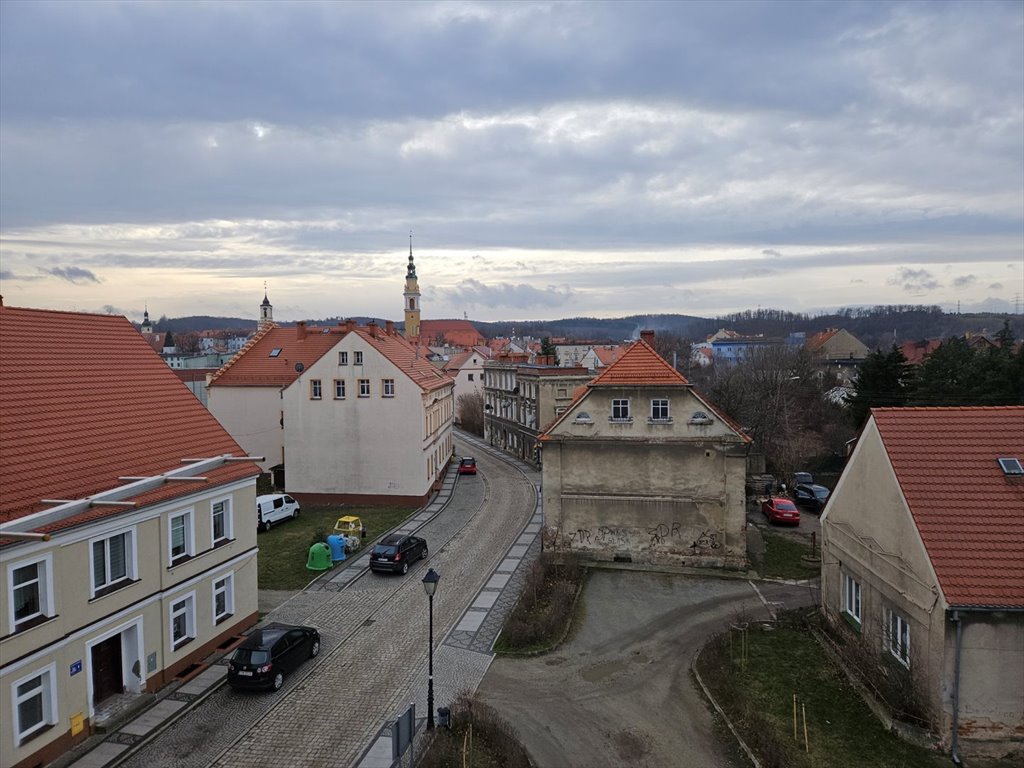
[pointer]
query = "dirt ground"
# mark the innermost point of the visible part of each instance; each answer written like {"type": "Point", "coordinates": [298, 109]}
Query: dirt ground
{"type": "Point", "coordinates": [620, 691]}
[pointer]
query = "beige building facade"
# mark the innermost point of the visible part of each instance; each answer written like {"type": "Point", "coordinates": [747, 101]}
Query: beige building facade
{"type": "Point", "coordinates": [900, 576]}
{"type": "Point", "coordinates": [641, 469]}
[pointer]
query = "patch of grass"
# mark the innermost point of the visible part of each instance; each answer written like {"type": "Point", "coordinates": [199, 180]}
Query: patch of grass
{"type": "Point", "coordinates": [285, 547]}
{"type": "Point", "coordinates": [478, 737]}
{"type": "Point", "coordinates": [758, 697]}
{"type": "Point", "coordinates": [783, 558]}
{"type": "Point", "coordinates": [545, 608]}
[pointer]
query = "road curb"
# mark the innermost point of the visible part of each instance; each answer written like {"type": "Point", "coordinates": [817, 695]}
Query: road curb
{"type": "Point", "coordinates": [721, 712]}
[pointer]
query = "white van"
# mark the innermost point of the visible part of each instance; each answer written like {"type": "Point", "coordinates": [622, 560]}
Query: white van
{"type": "Point", "coordinates": [273, 508]}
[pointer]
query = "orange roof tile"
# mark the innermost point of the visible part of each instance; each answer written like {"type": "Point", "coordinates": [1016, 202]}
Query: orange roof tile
{"type": "Point", "coordinates": [608, 356]}
{"type": "Point", "coordinates": [817, 340]}
{"type": "Point", "coordinates": [970, 515]}
{"type": "Point", "coordinates": [85, 400]}
{"type": "Point", "coordinates": [254, 366]}
{"type": "Point", "coordinates": [639, 365]}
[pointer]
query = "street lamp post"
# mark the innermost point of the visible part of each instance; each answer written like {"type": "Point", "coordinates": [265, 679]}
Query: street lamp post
{"type": "Point", "coordinates": [430, 586]}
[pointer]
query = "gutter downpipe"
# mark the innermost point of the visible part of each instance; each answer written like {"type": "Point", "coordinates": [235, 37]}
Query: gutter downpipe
{"type": "Point", "coordinates": [955, 750]}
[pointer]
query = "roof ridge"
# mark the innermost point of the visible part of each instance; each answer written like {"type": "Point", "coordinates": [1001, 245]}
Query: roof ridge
{"type": "Point", "coordinates": [260, 333]}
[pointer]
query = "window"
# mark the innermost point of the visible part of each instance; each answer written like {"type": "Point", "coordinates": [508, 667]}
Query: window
{"type": "Point", "coordinates": [364, 387]}
{"type": "Point", "coordinates": [1011, 466]}
{"type": "Point", "coordinates": [113, 562]}
{"type": "Point", "coordinates": [275, 352]}
{"type": "Point", "coordinates": [851, 597]}
{"type": "Point", "coordinates": [897, 638]}
{"type": "Point", "coordinates": [31, 593]}
{"type": "Point", "coordinates": [315, 391]}
{"type": "Point", "coordinates": [343, 358]}
{"type": "Point", "coordinates": [339, 389]}
{"type": "Point", "coordinates": [35, 704]}
{"type": "Point", "coordinates": [221, 520]}
{"type": "Point", "coordinates": [359, 358]}
{"type": "Point", "coordinates": [470, 376]}
{"type": "Point", "coordinates": [223, 598]}
{"type": "Point", "coordinates": [562, 392]}
{"type": "Point", "coordinates": [620, 410]}
{"type": "Point", "coordinates": [183, 621]}
{"type": "Point", "coordinates": [659, 410]}
{"type": "Point", "coordinates": [388, 387]}
{"type": "Point", "coordinates": [182, 540]}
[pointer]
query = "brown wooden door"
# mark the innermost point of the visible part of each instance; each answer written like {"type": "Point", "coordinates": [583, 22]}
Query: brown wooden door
{"type": "Point", "coordinates": [106, 669]}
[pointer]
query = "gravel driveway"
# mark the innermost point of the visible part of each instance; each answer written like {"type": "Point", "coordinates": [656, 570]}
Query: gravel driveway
{"type": "Point", "coordinates": [620, 691]}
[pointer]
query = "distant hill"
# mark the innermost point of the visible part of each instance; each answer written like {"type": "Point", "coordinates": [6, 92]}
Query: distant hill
{"type": "Point", "coordinates": [877, 327]}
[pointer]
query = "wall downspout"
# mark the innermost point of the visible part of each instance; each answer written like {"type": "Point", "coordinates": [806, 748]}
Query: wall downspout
{"type": "Point", "coordinates": [955, 751]}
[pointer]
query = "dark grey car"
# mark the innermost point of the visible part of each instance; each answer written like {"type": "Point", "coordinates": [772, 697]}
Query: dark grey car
{"type": "Point", "coordinates": [396, 551]}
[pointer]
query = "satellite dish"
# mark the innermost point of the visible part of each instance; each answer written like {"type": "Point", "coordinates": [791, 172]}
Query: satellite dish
{"type": "Point", "coordinates": [299, 367]}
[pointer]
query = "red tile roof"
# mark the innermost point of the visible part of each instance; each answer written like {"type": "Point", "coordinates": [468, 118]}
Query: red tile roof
{"type": "Point", "coordinates": [608, 356]}
{"type": "Point", "coordinates": [639, 365]}
{"type": "Point", "coordinates": [461, 333]}
{"type": "Point", "coordinates": [253, 366]}
{"type": "Point", "coordinates": [917, 351]}
{"type": "Point", "coordinates": [970, 515]}
{"type": "Point", "coordinates": [85, 400]}
{"type": "Point", "coordinates": [817, 340]}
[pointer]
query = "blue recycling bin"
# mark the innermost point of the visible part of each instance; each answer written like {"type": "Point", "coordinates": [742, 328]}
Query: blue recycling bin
{"type": "Point", "coordinates": [337, 545]}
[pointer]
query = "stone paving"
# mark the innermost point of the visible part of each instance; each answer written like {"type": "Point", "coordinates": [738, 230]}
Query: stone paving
{"type": "Point", "coordinates": [374, 639]}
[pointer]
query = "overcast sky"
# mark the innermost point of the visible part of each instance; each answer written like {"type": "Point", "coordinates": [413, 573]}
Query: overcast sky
{"type": "Point", "coordinates": [551, 159]}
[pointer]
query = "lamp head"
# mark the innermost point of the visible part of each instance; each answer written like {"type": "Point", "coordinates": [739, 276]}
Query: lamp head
{"type": "Point", "coordinates": [430, 582]}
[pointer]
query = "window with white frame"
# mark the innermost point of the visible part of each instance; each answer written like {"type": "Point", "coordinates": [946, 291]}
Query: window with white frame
{"type": "Point", "coordinates": [220, 518]}
{"type": "Point", "coordinates": [339, 389]}
{"type": "Point", "coordinates": [223, 598]}
{"type": "Point", "coordinates": [388, 387]}
{"type": "Point", "coordinates": [659, 409]}
{"type": "Point", "coordinates": [851, 597]}
{"type": "Point", "coordinates": [359, 358]}
{"type": "Point", "coordinates": [897, 637]}
{"type": "Point", "coordinates": [182, 540]}
{"type": "Point", "coordinates": [31, 593]}
{"type": "Point", "coordinates": [183, 620]}
{"type": "Point", "coordinates": [35, 703]}
{"type": "Point", "coordinates": [113, 562]}
{"type": "Point", "coordinates": [315, 389]}
{"type": "Point", "coordinates": [364, 387]}
{"type": "Point", "coordinates": [620, 409]}
{"type": "Point", "coordinates": [343, 358]}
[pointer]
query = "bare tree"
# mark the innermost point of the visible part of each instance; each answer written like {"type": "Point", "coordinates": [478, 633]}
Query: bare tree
{"type": "Point", "coordinates": [470, 410]}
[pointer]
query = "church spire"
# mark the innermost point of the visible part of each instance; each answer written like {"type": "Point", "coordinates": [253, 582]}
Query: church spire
{"type": "Point", "coordinates": [266, 310]}
{"type": "Point", "coordinates": [412, 298]}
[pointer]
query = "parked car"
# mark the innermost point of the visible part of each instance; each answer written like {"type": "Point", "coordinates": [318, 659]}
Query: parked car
{"type": "Point", "coordinates": [269, 653]}
{"type": "Point", "coordinates": [467, 466]}
{"type": "Point", "coordinates": [396, 551]}
{"type": "Point", "coordinates": [810, 496]}
{"type": "Point", "coordinates": [780, 510]}
{"type": "Point", "coordinates": [273, 508]}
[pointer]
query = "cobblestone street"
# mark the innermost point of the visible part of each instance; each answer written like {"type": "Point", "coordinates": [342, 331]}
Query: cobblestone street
{"type": "Point", "coordinates": [374, 635]}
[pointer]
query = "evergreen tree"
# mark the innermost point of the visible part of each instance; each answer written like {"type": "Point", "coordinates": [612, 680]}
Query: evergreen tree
{"type": "Point", "coordinates": [883, 380]}
{"type": "Point", "coordinates": [547, 348]}
{"type": "Point", "coordinates": [948, 376]}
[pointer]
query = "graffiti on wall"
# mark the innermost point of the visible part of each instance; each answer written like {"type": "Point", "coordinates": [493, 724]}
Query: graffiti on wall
{"type": "Point", "coordinates": [707, 541]}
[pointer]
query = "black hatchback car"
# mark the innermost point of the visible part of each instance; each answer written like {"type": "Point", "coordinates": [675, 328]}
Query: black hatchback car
{"type": "Point", "coordinates": [396, 551]}
{"type": "Point", "coordinates": [270, 653]}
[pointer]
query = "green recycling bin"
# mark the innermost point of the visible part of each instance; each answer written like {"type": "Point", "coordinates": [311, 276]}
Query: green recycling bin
{"type": "Point", "coordinates": [319, 557]}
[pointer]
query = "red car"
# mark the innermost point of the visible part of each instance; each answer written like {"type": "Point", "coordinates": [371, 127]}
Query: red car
{"type": "Point", "coordinates": [780, 511]}
{"type": "Point", "coordinates": [467, 466]}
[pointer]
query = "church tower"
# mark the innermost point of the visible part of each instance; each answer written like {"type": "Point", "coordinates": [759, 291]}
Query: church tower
{"type": "Point", "coordinates": [266, 311]}
{"type": "Point", "coordinates": [147, 327]}
{"type": "Point", "coordinates": [412, 299]}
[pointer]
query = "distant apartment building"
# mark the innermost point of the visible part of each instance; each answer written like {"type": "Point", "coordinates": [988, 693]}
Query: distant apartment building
{"type": "Point", "coordinates": [521, 399]}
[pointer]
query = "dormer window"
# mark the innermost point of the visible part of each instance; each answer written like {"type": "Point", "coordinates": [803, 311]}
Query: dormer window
{"type": "Point", "coordinates": [583, 418]}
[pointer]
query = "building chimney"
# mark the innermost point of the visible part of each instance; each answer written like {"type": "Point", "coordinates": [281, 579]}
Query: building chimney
{"type": "Point", "coordinates": [350, 324]}
{"type": "Point", "coordinates": [648, 336]}
{"type": "Point", "coordinates": [300, 330]}
{"type": "Point", "coordinates": [389, 327]}
{"type": "Point", "coordinates": [372, 325]}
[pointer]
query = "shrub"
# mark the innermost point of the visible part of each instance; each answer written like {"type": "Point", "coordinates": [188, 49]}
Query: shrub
{"type": "Point", "coordinates": [478, 736]}
{"type": "Point", "coordinates": [545, 608]}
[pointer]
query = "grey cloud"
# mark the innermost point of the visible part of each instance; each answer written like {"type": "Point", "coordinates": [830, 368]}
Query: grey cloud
{"type": "Point", "coordinates": [473, 293]}
{"type": "Point", "coordinates": [995, 286]}
{"type": "Point", "coordinates": [771, 252]}
{"type": "Point", "coordinates": [964, 281]}
{"type": "Point", "coordinates": [14, 277]}
{"type": "Point", "coordinates": [75, 275]}
{"type": "Point", "coordinates": [914, 280]}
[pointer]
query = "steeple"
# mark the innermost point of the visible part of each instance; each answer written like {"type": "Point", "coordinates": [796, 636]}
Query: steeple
{"type": "Point", "coordinates": [412, 298]}
{"type": "Point", "coordinates": [147, 327]}
{"type": "Point", "coordinates": [266, 310]}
